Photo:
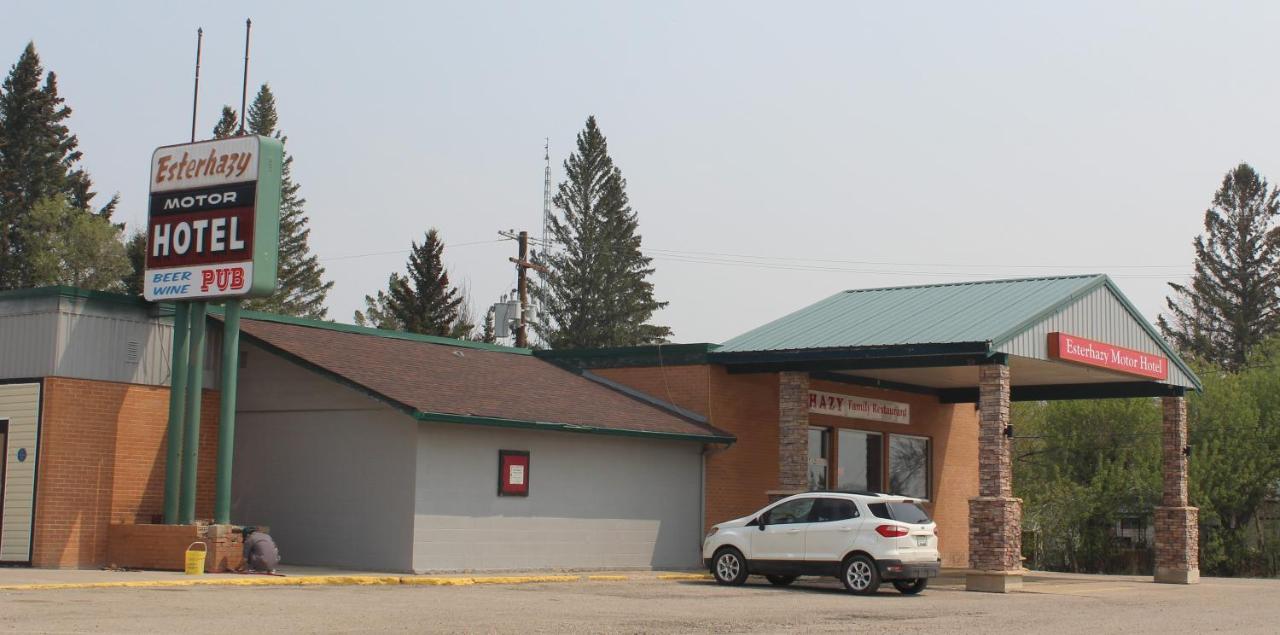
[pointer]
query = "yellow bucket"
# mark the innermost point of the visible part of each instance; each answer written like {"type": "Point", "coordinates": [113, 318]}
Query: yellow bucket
{"type": "Point", "coordinates": [195, 558]}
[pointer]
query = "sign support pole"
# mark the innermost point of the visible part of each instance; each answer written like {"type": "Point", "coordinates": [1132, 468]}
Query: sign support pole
{"type": "Point", "coordinates": [177, 403]}
{"type": "Point", "coordinates": [227, 410]}
{"type": "Point", "coordinates": [191, 438]}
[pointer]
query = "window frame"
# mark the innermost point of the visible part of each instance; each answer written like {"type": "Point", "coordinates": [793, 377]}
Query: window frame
{"type": "Point", "coordinates": [928, 466]}
{"type": "Point", "coordinates": [883, 472]}
{"type": "Point", "coordinates": [826, 457]}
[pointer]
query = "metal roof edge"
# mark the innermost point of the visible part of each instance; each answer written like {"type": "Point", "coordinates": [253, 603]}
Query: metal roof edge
{"type": "Point", "coordinates": [968, 283]}
{"type": "Point", "coordinates": [777, 320]}
{"type": "Point", "coordinates": [630, 356]}
{"type": "Point", "coordinates": [353, 329]}
{"type": "Point", "coordinates": [878, 351]}
{"type": "Point", "coordinates": [77, 293]}
{"type": "Point", "coordinates": [569, 427]}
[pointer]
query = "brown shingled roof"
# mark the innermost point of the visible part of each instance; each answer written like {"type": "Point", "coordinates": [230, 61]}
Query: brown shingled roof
{"type": "Point", "coordinates": [429, 377]}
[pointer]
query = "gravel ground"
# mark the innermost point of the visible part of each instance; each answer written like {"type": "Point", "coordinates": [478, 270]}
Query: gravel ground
{"type": "Point", "coordinates": [1072, 604]}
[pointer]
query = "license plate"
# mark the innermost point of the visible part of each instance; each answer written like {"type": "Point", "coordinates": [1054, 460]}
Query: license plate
{"type": "Point", "coordinates": [922, 541]}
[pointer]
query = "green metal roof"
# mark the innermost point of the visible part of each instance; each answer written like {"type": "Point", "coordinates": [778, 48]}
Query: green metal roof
{"type": "Point", "coordinates": [986, 311]}
{"type": "Point", "coordinates": [968, 316]}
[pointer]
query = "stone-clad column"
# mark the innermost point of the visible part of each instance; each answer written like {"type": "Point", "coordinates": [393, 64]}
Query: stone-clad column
{"type": "Point", "coordinates": [793, 434]}
{"type": "Point", "coordinates": [995, 516]}
{"type": "Point", "coordinates": [1177, 532]}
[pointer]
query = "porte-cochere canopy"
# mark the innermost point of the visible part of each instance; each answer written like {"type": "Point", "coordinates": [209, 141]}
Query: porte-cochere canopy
{"type": "Point", "coordinates": [932, 338]}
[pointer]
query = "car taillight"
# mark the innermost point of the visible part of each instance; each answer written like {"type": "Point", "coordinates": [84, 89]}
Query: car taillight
{"type": "Point", "coordinates": [936, 532]}
{"type": "Point", "coordinates": [891, 531]}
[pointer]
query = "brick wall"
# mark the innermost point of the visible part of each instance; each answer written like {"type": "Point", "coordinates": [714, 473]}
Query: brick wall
{"type": "Point", "coordinates": [102, 461]}
{"type": "Point", "coordinates": [739, 478]}
{"type": "Point", "coordinates": [164, 547]}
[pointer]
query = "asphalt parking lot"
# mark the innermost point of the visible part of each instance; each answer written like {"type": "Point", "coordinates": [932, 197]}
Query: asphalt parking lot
{"type": "Point", "coordinates": [645, 604]}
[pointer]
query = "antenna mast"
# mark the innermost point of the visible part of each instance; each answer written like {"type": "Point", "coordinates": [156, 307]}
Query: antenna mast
{"type": "Point", "coordinates": [546, 196]}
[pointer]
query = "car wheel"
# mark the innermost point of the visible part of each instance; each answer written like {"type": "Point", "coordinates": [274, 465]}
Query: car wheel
{"type": "Point", "coordinates": [911, 587]}
{"type": "Point", "coordinates": [729, 567]}
{"type": "Point", "coordinates": [781, 580]}
{"type": "Point", "coordinates": [859, 575]}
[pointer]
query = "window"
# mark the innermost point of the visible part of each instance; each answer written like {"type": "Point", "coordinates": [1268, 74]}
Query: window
{"type": "Point", "coordinates": [833, 509]}
{"type": "Point", "coordinates": [790, 512]}
{"type": "Point", "coordinates": [909, 466]}
{"type": "Point", "coordinates": [859, 462]}
{"type": "Point", "coordinates": [904, 512]}
{"type": "Point", "coordinates": [819, 440]}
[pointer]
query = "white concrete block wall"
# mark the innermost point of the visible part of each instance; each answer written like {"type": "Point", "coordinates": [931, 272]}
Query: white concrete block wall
{"type": "Point", "coordinates": [595, 501]}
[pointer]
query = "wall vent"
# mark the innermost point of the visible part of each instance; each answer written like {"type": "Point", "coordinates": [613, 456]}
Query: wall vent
{"type": "Point", "coordinates": [132, 351]}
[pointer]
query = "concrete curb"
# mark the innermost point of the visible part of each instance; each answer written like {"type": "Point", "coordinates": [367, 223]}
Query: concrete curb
{"type": "Point", "coordinates": [342, 580]}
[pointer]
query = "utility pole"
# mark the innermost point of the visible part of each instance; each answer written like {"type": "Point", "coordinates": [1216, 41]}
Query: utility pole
{"type": "Point", "coordinates": [522, 269]}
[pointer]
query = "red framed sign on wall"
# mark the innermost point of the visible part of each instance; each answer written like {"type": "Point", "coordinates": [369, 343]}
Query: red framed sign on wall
{"type": "Point", "coordinates": [513, 473]}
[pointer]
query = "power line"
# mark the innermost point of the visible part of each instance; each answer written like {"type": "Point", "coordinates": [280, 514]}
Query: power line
{"type": "Point", "coordinates": [405, 251]}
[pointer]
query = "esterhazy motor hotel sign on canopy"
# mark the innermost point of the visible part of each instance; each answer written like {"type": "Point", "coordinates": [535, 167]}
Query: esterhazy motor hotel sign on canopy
{"type": "Point", "coordinates": [213, 226]}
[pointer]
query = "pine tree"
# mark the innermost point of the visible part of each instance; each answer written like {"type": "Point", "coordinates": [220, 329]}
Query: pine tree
{"type": "Point", "coordinates": [596, 292]}
{"type": "Point", "coordinates": [227, 124]}
{"type": "Point", "coordinates": [302, 290]}
{"type": "Point", "coordinates": [38, 162]}
{"type": "Point", "coordinates": [1233, 302]}
{"type": "Point", "coordinates": [422, 300]}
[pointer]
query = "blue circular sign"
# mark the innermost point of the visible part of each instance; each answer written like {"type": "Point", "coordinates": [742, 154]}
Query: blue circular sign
{"type": "Point", "coordinates": [22, 455]}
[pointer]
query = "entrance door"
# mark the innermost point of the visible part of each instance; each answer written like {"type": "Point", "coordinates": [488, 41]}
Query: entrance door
{"type": "Point", "coordinates": [4, 455]}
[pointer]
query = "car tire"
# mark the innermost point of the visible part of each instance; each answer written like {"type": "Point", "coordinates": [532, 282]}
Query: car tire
{"type": "Point", "coordinates": [781, 580]}
{"type": "Point", "coordinates": [859, 575]}
{"type": "Point", "coordinates": [911, 587]}
{"type": "Point", "coordinates": [729, 567]}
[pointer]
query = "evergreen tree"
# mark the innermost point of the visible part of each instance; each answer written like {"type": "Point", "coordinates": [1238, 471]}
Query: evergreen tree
{"type": "Point", "coordinates": [1233, 302]}
{"type": "Point", "coordinates": [487, 334]}
{"type": "Point", "coordinates": [596, 291]}
{"type": "Point", "coordinates": [302, 289]}
{"type": "Point", "coordinates": [377, 313]}
{"type": "Point", "coordinates": [422, 300]}
{"type": "Point", "coordinates": [38, 162]}
{"type": "Point", "coordinates": [227, 124]}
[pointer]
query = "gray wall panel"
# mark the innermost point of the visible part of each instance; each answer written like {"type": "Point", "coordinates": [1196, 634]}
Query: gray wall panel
{"type": "Point", "coordinates": [594, 501]}
{"type": "Point", "coordinates": [1097, 316]}
{"type": "Point", "coordinates": [328, 469]}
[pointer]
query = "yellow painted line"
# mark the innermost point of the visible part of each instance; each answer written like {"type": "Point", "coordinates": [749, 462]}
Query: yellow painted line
{"type": "Point", "coordinates": [684, 576]}
{"type": "Point", "coordinates": [335, 580]}
{"type": "Point", "coordinates": [526, 579]}
{"type": "Point", "coordinates": [420, 581]}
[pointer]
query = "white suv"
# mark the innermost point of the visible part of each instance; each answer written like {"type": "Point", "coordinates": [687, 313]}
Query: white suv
{"type": "Point", "coordinates": [860, 539]}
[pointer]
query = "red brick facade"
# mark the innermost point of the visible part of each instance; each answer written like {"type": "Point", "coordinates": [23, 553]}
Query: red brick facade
{"type": "Point", "coordinates": [740, 478]}
{"type": "Point", "coordinates": [102, 462]}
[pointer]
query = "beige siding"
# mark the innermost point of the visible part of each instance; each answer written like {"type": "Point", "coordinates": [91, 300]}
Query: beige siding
{"type": "Point", "coordinates": [1099, 316]}
{"type": "Point", "coordinates": [20, 405]}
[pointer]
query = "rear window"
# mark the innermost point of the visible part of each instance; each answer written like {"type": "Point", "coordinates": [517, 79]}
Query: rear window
{"type": "Point", "coordinates": [911, 513]}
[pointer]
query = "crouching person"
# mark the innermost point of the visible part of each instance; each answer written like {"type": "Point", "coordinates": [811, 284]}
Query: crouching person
{"type": "Point", "coordinates": [260, 552]}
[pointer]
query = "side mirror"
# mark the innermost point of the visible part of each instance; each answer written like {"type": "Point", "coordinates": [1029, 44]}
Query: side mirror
{"type": "Point", "coordinates": [761, 522]}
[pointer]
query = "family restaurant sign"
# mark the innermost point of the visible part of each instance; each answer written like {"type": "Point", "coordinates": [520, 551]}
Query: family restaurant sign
{"type": "Point", "coordinates": [827, 403]}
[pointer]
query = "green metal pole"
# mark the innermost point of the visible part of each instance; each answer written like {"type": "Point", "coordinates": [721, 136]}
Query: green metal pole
{"type": "Point", "coordinates": [191, 438]}
{"type": "Point", "coordinates": [177, 401]}
{"type": "Point", "coordinates": [227, 410]}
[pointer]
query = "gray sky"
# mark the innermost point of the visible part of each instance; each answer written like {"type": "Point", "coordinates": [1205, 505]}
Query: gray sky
{"type": "Point", "coordinates": [825, 146]}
